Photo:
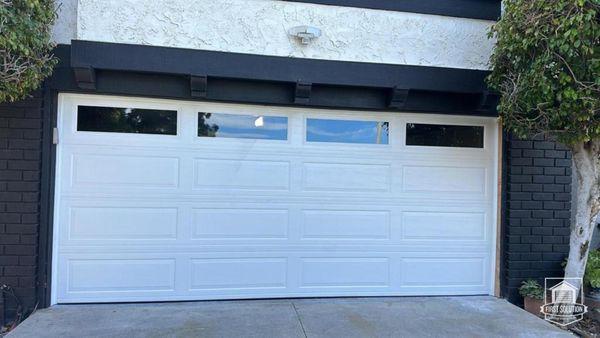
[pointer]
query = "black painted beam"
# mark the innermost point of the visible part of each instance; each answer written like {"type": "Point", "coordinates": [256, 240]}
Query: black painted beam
{"type": "Point", "coordinates": [154, 59]}
{"type": "Point", "coordinates": [168, 73]}
{"type": "Point", "coordinates": [474, 9]}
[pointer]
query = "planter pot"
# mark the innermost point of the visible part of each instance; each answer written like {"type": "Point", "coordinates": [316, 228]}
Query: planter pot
{"type": "Point", "coordinates": [533, 305]}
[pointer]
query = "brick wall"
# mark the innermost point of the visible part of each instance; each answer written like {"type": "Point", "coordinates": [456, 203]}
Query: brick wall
{"type": "Point", "coordinates": [20, 166]}
{"type": "Point", "coordinates": [537, 211]}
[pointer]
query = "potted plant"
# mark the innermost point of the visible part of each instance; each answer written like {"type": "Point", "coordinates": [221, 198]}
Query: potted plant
{"type": "Point", "coordinates": [591, 277]}
{"type": "Point", "coordinates": [533, 295]}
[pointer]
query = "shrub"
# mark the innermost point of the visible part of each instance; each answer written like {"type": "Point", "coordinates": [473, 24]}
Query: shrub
{"type": "Point", "coordinates": [25, 46]}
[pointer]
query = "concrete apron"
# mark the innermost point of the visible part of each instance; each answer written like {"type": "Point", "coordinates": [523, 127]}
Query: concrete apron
{"type": "Point", "coordinates": [474, 316]}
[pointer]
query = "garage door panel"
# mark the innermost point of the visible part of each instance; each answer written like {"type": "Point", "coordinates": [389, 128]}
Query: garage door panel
{"type": "Point", "coordinates": [346, 225]}
{"type": "Point", "coordinates": [443, 272]}
{"type": "Point", "coordinates": [346, 177]}
{"type": "Point", "coordinates": [241, 174]}
{"type": "Point", "coordinates": [436, 226]}
{"type": "Point", "coordinates": [238, 273]}
{"type": "Point", "coordinates": [181, 217]}
{"type": "Point", "coordinates": [344, 272]}
{"type": "Point", "coordinates": [444, 179]}
{"type": "Point", "coordinates": [105, 275]}
{"type": "Point", "coordinates": [240, 223]}
{"type": "Point", "coordinates": [124, 171]}
{"type": "Point", "coordinates": [122, 223]}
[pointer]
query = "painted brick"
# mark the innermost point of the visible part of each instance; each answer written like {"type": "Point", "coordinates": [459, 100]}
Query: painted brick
{"type": "Point", "coordinates": [531, 222]}
{"type": "Point", "coordinates": [562, 196]}
{"type": "Point", "coordinates": [554, 188]}
{"type": "Point", "coordinates": [543, 197]}
{"type": "Point", "coordinates": [542, 231]}
{"type": "Point", "coordinates": [532, 170]}
{"type": "Point", "coordinates": [531, 205]}
{"type": "Point", "coordinates": [554, 205]}
{"type": "Point", "coordinates": [552, 222]}
{"type": "Point", "coordinates": [536, 212]}
{"type": "Point", "coordinates": [544, 145]}
{"type": "Point", "coordinates": [543, 162]}
{"type": "Point", "coordinates": [553, 240]}
{"type": "Point", "coordinates": [563, 162]}
{"type": "Point", "coordinates": [543, 179]}
{"type": "Point", "coordinates": [562, 180]}
{"type": "Point", "coordinates": [20, 164]}
{"type": "Point", "coordinates": [522, 161]}
{"type": "Point", "coordinates": [533, 153]}
{"type": "Point", "coordinates": [519, 144]}
{"type": "Point", "coordinates": [521, 178]}
{"type": "Point", "coordinates": [532, 188]}
{"type": "Point", "coordinates": [542, 213]}
{"type": "Point", "coordinates": [513, 196]}
{"type": "Point", "coordinates": [554, 171]}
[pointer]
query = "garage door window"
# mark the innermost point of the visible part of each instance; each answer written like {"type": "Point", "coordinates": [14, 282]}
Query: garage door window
{"type": "Point", "coordinates": [439, 135]}
{"type": "Point", "coordinates": [347, 131]}
{"type": "Point", "coordinates": [242, 126]}
{"type": "Point", "coordinates": [126, 120]}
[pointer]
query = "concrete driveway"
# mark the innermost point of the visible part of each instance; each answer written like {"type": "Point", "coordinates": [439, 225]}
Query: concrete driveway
{"type": "Point", "coordinates": [336, 317]}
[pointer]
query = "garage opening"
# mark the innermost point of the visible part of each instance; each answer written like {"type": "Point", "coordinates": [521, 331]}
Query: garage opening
{"type": "Point", "coordinates": [169, 200]}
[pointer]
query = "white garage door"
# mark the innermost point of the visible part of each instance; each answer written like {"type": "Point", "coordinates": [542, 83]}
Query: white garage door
{"type": "Point", "coordinates": [167, 200]}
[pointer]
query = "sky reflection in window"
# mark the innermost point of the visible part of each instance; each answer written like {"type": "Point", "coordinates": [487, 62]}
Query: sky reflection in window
{"type": "Point", "coordinates": [242, 126]}
{"type": "Point", "coordinates": [347, 131]}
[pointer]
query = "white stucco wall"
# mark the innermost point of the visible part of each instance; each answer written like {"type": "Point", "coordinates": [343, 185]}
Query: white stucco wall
{"type": "Point", "coordinates": [260, 27]}
{"type": "Point", "coordinates": [65, 27]}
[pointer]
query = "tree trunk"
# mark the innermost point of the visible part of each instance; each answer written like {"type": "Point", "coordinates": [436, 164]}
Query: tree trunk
{"type": "Point", "coordinates": [586, 166]}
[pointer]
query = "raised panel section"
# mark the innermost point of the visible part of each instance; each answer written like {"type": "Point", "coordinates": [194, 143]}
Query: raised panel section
{"type": "Point", "coordinates": [444, 179]}
{"type": "Point", "coordinates": [346, 177]}
{"type": "Point", "coordinates": [425, 272]}
{"type": "Point", "coordinates": [238, 273]}
{"type": "Point", "coordinates": [239, 224]}
{"type": "Point", "coordinates": [345, 272]}
{"type": "Point", "coordinates": [242, 174]}
{"type": "Point", "coordinates": [338, 224]}
{"type": "Point", "coordinates": [125, 171]}
{"type": "Point", "coordinates": [428, 225]}
{"type": "Point", "coordinates": [93, 223]}
{"type": "Point", "coordinates": [119, 275]}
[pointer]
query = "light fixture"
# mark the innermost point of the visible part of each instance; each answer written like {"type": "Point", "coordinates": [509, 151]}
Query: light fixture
{"type": "Point", "coordinates": [259, 122]}
{"type": "Point", "coordinates": [305, 33]}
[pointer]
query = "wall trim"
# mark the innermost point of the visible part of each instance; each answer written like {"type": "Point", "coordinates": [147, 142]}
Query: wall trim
{"type": "Point", "coordinates": [474, 9]}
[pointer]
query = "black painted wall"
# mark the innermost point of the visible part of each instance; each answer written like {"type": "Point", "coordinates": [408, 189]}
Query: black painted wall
{"type": "Point", "coordinates": [20, 174]}
{"type": "Point", "coordinates": [536, 211]}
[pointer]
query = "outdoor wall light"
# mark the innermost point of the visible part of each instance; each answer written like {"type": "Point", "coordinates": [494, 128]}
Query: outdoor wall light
{"type": "Point", "coordinates": [305, 33]}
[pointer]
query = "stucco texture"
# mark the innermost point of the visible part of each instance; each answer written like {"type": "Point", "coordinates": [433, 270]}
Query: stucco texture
{"type": "Point", "coordinates": [260, 27]}
{"type": "Point", "coordinates": [65, 26]}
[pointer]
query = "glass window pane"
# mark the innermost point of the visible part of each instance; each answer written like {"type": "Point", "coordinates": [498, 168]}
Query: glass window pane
{"type": "Point", "coordinates": [126, 120]}
{"type": "Point", "coordinates": [437, 135]}
{"type": "Point", "coordinates": [242, 126]}
{"type": "Point", "coordinates": [347, 131]}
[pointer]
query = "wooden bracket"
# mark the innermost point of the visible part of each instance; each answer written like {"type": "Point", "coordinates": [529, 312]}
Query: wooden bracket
{"type": "Point", "coordinates": [487, 101]}
{"type": "Point", "coordinates": [398, 98]}
{"type": "Point", "coordinates": [302, 93]}
{"type": "Point", "coordinates": [85, 77]}
{"type": "Point", "coordinates": [198, 86]}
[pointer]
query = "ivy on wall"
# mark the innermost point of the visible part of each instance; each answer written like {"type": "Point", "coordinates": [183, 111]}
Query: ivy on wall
{"type": "Point", "coordinates": [546, 65]}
